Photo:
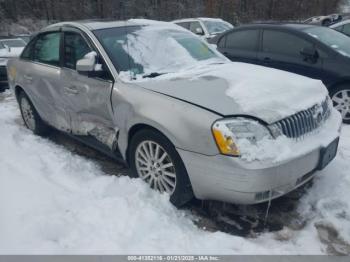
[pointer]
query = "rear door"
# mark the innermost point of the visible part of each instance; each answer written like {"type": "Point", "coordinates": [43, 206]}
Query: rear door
{"type": "Point", "coordinates": [240, 46]}
{"type": "Point", "coordinates": [42, 78]}
{"type": "Point", "coordinates": [281, 50]}
{"type": "Point", "coordinates": [87, 96]}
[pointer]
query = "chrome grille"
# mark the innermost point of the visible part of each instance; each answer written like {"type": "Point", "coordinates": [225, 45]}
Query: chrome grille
{"type": "Point", "coordinates": [305, 121]}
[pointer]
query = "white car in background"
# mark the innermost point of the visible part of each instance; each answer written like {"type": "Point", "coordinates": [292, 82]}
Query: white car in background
{"type": "Point", "coordinates": [9, 48]}
{"type": "Point", "coordinates": [206, 27]}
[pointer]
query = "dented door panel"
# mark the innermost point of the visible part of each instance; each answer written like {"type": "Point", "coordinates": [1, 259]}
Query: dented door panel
{"type": "Point", "coordinates": [87, 100]}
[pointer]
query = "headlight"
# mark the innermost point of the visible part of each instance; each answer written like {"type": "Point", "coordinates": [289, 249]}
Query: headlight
{"type": "Point", "coordinates": [228, 133]}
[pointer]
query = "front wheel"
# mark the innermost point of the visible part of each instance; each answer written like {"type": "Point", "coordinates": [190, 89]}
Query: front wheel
{"type": "Point", "coordinates": [155, 160]}
{"type": "Point", "coordinates": [341, 101]}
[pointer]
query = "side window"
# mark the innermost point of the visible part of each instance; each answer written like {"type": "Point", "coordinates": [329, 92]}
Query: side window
{"type": "Point", "coordinates": [246, 40]}
{"type": "Point", "coordinates": [283, 43]}
{"type": "Point", "coordinates": [28, 51]}
{"type": "Point", "coordinates": [47, 49]}
{"type": "Point", "coordinates": [346, 29]}
{"type": "Point", "coordinates": [184, 25]}
{"type": "Point", "coordinates": [195, 27]}
{"type": "Point", "coordinates": [75, 48]}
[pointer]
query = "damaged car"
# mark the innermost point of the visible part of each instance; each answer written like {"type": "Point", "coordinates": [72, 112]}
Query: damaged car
{"type": "Point", "coordinates": [184, 118]}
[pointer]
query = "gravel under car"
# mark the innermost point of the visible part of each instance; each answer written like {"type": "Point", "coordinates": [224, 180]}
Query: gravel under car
{"type": "Point", "coordinates": [183, 117]}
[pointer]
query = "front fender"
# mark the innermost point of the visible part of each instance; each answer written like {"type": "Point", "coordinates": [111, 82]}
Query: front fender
{"type": "Point", "coordinates": [187, 126]}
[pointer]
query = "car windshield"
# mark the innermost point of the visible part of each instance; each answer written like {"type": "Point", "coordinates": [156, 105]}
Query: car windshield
{"type": "Point", "coordinates": [13, 43]}
{"type": "Point", "coordinates": [215, 27]}
{"type": "Point", "coordinates": [149, 51]}
{"type": "Point", "coordinates": [337, 41]}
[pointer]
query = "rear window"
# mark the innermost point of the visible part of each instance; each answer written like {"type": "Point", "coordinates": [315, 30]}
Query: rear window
{"type": "Point", "coordinates": [184, 24]}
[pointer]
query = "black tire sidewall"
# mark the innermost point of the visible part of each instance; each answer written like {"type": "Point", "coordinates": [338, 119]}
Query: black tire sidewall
{"type": "Point", "coordinates": [333, 91]}
{"type": "Point", "coordinates": [40, 127]}
{"type": "Point", "coordinates": [183, 190]}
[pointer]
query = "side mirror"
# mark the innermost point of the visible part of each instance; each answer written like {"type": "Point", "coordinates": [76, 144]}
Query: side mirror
{"type": "Point", "coordinates": [309, 54]}
{"type": "Point", "coordinates": [88, 63]}
{"type": "Point", "coordinates": [199, 31]}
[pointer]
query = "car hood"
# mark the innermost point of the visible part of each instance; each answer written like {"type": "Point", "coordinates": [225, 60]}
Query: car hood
{"type": "Point", "coordinates": [241, 89]}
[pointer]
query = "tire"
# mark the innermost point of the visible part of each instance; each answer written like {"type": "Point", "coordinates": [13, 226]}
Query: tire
{"type": "Point", "coordinates": [30, 116]}
{"type": "Point", "coordinates": [143, 146]}
{"type": "Point", "coordinates": [341, 101]}
{"type": "Point", "coordinates": [326, 22]}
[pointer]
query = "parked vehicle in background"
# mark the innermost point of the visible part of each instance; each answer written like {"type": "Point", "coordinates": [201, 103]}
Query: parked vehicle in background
{"type": "Point", "coordinates": [185, 119]}
{"type": "Point", "coordinates": [206, 27]}
{"type": "Point", "coordinates": [9, 48]}
{"type": "Point", "coordinates": [324, 20]}
{"type": "Point", "coordinates": [343, 27]}
{"type": "Point", "coordinates": [313, 51]}
{"type": "Point", "coordinates": [25, 37]}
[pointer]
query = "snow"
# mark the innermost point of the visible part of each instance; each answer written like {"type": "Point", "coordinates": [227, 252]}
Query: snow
{"type": "Point", "coordinates": [55, 202]}
{"type": "Point", "coordinates": [283, 148]}
{"type": "Point", "coordinates": [171, 43]}
{"type": "Point", "coordinates": [269, 94]}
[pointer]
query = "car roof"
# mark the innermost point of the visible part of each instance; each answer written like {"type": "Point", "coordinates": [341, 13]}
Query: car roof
{"type": "Point", "coordinates": [93, 24]}
{"type": "Point", "coordinates": [197, 19]}
{"type": "Point", "coordinates": [106, 23]}
{"type": "Point", "coordinates": [293, 26]}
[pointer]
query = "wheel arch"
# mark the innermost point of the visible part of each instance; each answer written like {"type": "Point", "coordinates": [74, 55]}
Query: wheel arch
{"type": "Point", "coordinates": [339, 82]}
{"type": "Point", "coordinates": [133, 130]}
{"type": "Point", "coordinates": [18, 89]}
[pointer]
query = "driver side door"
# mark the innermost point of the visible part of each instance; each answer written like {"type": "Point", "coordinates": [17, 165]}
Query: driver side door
{"type": "Point", "coordinates": [87, 96]}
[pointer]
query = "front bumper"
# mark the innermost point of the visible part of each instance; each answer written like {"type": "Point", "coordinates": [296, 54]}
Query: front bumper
{"type": "Point", "coordinates": [235, 180]}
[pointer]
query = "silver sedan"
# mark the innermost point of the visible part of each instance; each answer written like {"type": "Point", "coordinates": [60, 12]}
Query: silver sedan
{"type": "Point", "coordinates": [185, 119]}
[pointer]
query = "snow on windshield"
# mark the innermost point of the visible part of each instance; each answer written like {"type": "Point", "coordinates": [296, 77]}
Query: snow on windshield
{"type": "Point", "coordinates": [154, 48]}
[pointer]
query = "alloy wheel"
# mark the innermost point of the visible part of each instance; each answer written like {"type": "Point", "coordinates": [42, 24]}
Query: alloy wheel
{"type": "Point", "coordinates": [341, 101]}
{"type": "Point", "coordinates": [28, 114]}
{"type": "Point", "coordinates": [155, 166]}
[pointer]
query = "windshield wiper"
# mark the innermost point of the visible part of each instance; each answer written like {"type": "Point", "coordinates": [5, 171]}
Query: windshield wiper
{"type": "Point", "coordinates": [153, 75]}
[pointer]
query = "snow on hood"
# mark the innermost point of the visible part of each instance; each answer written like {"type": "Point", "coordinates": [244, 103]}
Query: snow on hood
{"type": "Point", "coordinates": [240, 89]}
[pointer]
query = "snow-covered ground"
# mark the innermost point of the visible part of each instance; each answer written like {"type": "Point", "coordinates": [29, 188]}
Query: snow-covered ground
{"type": "Point", "coordinates": [55, 202]}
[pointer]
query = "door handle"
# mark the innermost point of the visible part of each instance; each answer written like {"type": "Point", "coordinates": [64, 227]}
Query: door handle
{"type": "Point", "coordinates": [71, 90]}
